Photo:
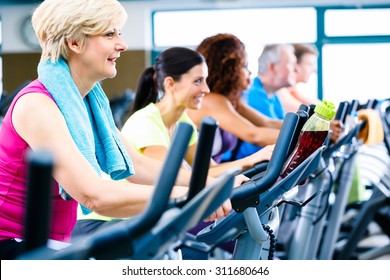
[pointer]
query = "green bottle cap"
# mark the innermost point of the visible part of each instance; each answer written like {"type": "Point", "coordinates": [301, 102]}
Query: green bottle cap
{"type": "Point", "coordinates": [326, 109]}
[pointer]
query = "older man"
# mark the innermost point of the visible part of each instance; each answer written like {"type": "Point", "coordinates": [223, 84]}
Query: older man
{"type": "Point", "coordinates": [276, 69]}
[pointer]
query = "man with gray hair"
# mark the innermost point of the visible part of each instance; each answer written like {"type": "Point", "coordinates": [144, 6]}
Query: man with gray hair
{"type": "Point", "coordinates": [276, 69]}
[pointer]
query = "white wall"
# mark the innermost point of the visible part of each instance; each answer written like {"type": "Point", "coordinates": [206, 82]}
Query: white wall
{"type": "Point", "coordinates": [137, 31]}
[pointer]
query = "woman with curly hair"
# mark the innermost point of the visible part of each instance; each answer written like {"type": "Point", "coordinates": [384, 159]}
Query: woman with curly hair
{"type": "Point", "coordinates": [228, 77]}
{"type": "Point", "coordinates": [166, 91]}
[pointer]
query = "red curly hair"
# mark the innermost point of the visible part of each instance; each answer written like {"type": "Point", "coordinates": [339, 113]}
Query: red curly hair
{"type": "Point", "coordinates": [225, 56]}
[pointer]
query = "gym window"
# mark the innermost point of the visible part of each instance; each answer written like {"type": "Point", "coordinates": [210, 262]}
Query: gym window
{"type": "Point", "coordinates": [354, 42]}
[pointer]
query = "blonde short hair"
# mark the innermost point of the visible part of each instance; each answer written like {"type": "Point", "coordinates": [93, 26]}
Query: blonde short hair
{"type": "Point", "coordinates": [56, 21]}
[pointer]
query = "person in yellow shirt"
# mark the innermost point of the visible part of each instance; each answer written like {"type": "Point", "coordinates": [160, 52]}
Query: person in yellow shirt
{"type": "Point", "coordinates": [175, 84]}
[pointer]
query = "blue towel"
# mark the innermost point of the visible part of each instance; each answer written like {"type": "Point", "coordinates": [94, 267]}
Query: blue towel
{"type": "Point", "coordinates": [89, 121]}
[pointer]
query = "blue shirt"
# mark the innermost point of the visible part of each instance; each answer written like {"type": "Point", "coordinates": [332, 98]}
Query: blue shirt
{"type": "Point", "coordinates": [270, 106]}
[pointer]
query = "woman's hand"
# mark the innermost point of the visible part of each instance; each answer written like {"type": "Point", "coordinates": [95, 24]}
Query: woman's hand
{"type": "Point", "coordinates": [263, 155]}
{"type": "Point", "coordinates": [239, 180]}
{"type": "Point", "coordinates": [336, 127]}
{"type": "Point", "coordinates": [221, 212]}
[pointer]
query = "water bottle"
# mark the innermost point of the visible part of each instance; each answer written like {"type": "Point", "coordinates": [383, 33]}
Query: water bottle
{"type": "Point", "coordinates": [312, 136]}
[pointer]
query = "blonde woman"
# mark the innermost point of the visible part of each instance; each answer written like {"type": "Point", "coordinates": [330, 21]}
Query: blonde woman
{"type": "Point", "coordinates": [66, 112]}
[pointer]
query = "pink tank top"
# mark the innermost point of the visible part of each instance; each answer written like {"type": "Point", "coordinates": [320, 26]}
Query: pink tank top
{"type": "Point", "coordinates": [13, 189]}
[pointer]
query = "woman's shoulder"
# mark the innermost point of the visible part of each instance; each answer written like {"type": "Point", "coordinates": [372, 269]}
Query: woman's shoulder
{"type": "Point", "coordinates": [148, 114]}
{"type": "Point", "coordinates": [33, 87]}
{"type": "Point", "coordinates": [31, 96]}
{"type": "Point", "coordinates": [213, 100]}
{"type": "Point", "coordinates": [149, 111]}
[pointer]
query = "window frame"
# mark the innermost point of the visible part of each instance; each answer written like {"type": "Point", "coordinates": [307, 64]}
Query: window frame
{"type": "Point", "coordinates": [322, 38]}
